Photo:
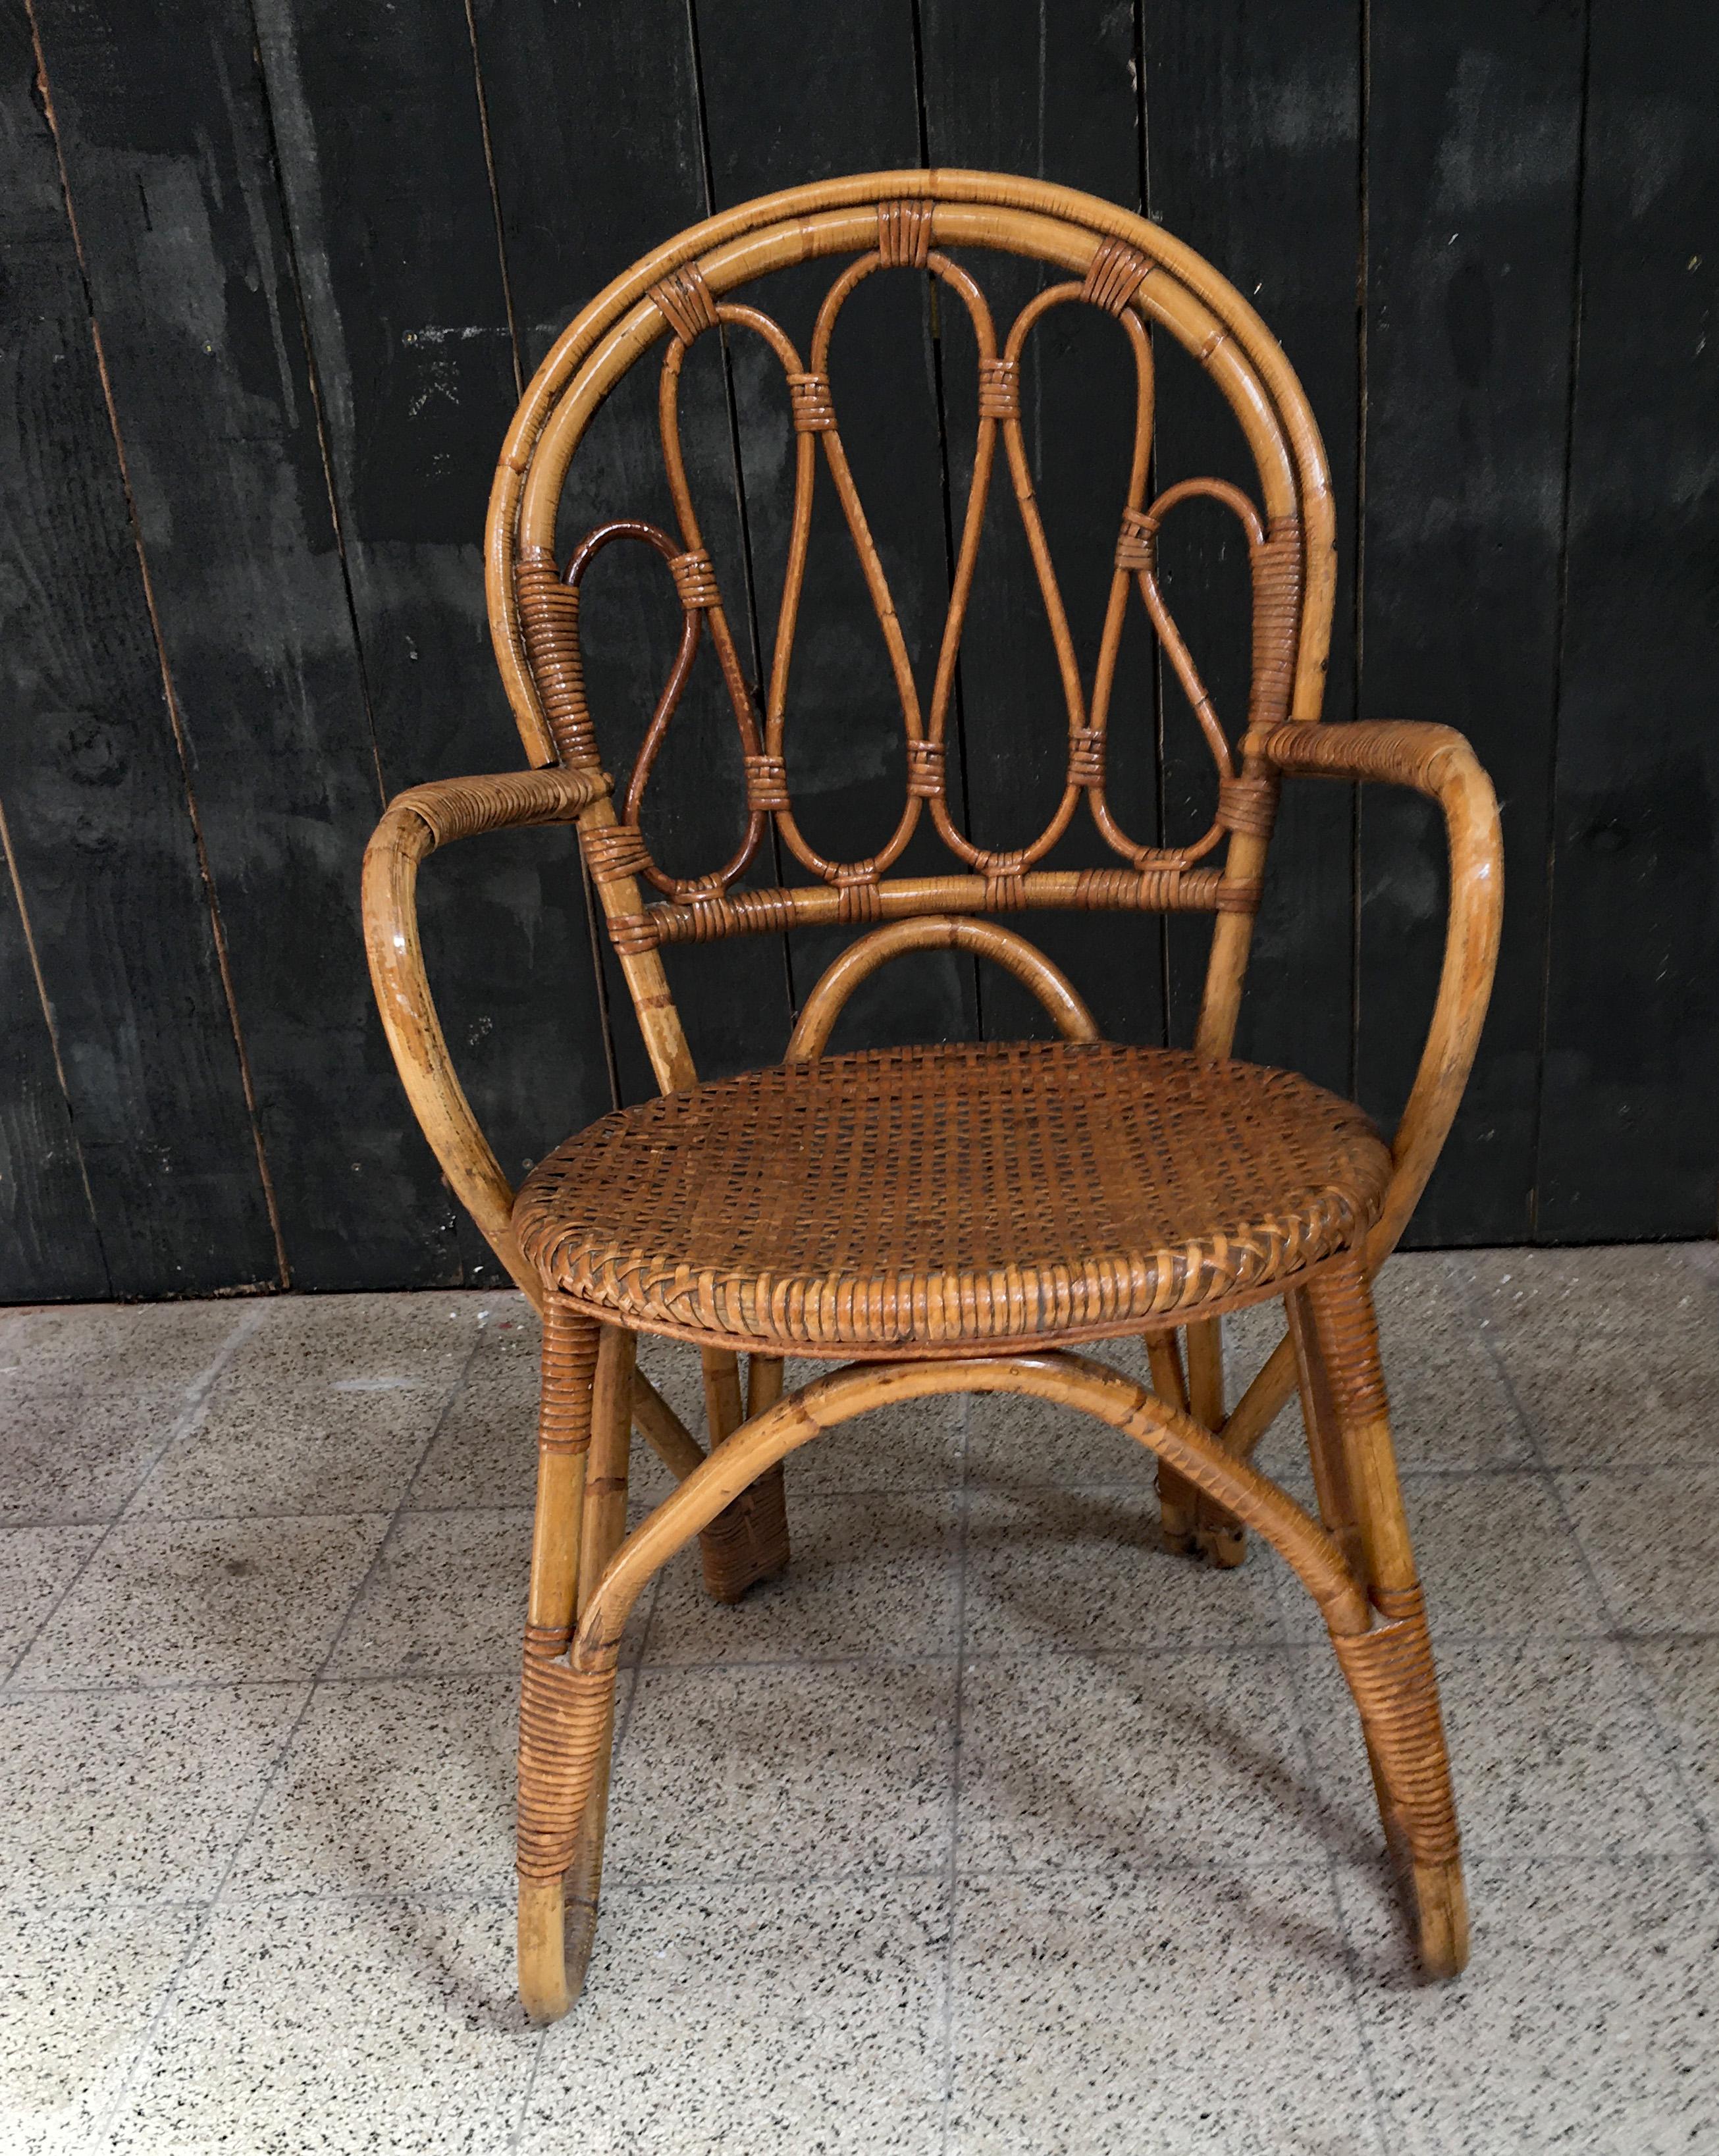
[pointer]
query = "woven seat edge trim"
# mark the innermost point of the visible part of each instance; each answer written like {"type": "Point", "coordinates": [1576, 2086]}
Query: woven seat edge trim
{"type": "Point", "coordinates": [903, 1306]}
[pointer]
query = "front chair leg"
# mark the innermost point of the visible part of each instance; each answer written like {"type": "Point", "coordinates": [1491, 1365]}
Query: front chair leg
{"type": "Point", "coordinates": [566, 1720]}
{"type": "Point", "coordinates": [747, 1541]}
{"type": "Point", "coordinates": [1390, 1669]}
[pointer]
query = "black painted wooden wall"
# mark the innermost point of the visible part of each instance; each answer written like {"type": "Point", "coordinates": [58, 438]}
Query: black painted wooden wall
{"type": "Point", "coordinates": [274, 270]}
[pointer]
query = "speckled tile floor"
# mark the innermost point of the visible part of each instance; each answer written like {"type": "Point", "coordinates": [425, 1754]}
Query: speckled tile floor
{"type": "Point", "coordinates": [993, 1829]}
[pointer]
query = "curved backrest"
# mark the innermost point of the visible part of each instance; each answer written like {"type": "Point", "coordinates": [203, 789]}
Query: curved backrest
{"type": "Point", "coordinates": [915, 220]}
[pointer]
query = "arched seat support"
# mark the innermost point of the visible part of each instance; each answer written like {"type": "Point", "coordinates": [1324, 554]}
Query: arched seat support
{"type": "Point", "coordinates": [570, 1700]}
{"type": "Point", "coordinates": [938, 931]}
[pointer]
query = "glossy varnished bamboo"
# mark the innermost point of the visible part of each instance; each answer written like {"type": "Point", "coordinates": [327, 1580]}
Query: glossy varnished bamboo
{"type": "Point", "coordinates": [588, 1239]}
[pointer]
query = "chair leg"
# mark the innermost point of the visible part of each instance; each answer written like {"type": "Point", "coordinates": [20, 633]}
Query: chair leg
{"type": "Point", "coordinates": [566, 1721]}
{"type": "Point", "coordinates": [1330, 1472]}
{"type": "Point", "coordinates": [1177, 1498]}
{"type": "Point", "coordinates": [1325, 1444]}
{"type": "Point", "coordinates": [748, 1542]}
{"type": "Point", "coordinates": [1390, 1669]}
{"type": "Point", "coordinates": [1217, 1534]}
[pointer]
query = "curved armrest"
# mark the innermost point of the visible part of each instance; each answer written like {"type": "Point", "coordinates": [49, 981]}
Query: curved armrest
{"type": "Point", "coordinates": [1438, 762]}
{"type": "Point", "coordinates": [415, 824]}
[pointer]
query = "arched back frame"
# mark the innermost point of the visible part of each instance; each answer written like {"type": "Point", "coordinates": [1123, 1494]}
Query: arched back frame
{"type": "Point", "coordinates": [1109, 259]}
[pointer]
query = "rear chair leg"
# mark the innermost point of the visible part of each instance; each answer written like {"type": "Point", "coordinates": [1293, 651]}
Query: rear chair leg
{"type": "Point", "coordinates": [1216, 1534]}
{"type": "Point", "coordinates": [1390, 1669]}
{"type": "Point", "coordinates": [1177, 1498]}
{"type": "Point", "coordinates": [747, 1541]}
{"type": "Point", "coordinates": [566, 1719]}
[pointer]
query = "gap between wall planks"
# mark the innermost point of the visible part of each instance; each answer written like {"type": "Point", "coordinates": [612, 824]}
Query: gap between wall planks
{"type": "Point", "coordinates": [143, 1175]}
{"type": "Point", "coordinates": [416, 378]}
{"type": "Point", "coordinates": [1627, 1138]}
{"type": "Point", "coordinates": [597, 157]}
{"type": "Point", "coordinates": [52, 1250]}
{"type": "Point", "coordinates": [320, 246]}
{"type": "Point", "coordinates": [846, 89]}
{"type": "Point", "coordinates": [1075, 117]}
{"type": "Point", "coordinates": [1470, 255]}
{"type": "Point", "coordinates": [1253, 158]}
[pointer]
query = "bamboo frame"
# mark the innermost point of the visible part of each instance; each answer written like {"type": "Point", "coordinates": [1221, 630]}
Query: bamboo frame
{"type": "Point", "coordinates": [416, 823]}
{"type": "Point", "coordinates": [586, 1570]}
{"type": "Point", "coordinates": [1375, 1625]}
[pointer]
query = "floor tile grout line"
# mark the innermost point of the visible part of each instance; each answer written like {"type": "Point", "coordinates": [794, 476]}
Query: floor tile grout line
{"type": "Point", "coordinates": [1206, 1646]}
{"type": "Point", "coordinates": [1103, 1867]}
{"type": "Point", "coordinates": [1100, 1865]}
{"type": "Point", "coordinates": [1646, 1690]}
{"type": "Point", "coordinates": [164, 1999]}
{"type": "Point", "coordinates": [1528, 1470]}
{"type": "Point", "coordinates": [246, 1321]}
{"type": "Point", "coordinates": [951, 1877]}
{"type": "Point", "coordinates": [522, 2117]}
{"type": "Point", "coordinates": [452, 1399]}
{"type": "Point", "coordinates": [1336, 1866]}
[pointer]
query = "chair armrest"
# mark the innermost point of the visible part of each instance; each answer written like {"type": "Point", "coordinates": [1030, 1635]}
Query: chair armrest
{"type": "Point", "coordinates": [414, 824]}
{"type": "Point", "coordinates": [1438, 762]}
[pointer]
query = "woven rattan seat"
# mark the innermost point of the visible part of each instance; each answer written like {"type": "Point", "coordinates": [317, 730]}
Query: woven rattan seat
{"type": "Point", "coordinates": [951, 1219]}
{"type": "Point", "coordinates": [934, 1199]}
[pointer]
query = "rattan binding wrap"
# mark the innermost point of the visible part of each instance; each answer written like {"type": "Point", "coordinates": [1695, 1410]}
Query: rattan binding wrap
{"type": "Point", "coordinates": [1390, 1671]}
{"type": "Point", "coordinates": [564, 1719]}
{"type": "Point", "coordinates": [747, 1541]}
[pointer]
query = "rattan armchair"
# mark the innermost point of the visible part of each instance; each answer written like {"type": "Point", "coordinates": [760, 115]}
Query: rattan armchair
{"type": "Point", "coordinates": [957, 1217]}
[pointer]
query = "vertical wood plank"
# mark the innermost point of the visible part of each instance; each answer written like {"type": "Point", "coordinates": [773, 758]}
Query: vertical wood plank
{"type": "Point", "coordinates": [1253, 124]}
{"type": "Point", "coordinates": [1475, 124]}
{"type": "Point", "coordinates": [843, 94]}
{"type": "Point", "coordinates": [164, 129]}
{"type": "Point", "coordinates": [1019, 88]}
{"type": "Point", "coordinates": [377, 121]}
{"type": "Point", "coordinates": [1629, 1143]}
{"type": "Point", "coordinates": [310, 325]}
{"type": "Point", "coordinates": [50, 1250]}
{"type": "Point", "coordinates": [101, 839]}
{"type": "Point", "coordinates": [594, 125]}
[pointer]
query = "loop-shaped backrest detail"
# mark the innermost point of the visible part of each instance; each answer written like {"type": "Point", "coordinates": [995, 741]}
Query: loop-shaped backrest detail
{"type": "Point", "coordinates": [695, 584]}
{"type": "Point", "coordinates": [924, 222]}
